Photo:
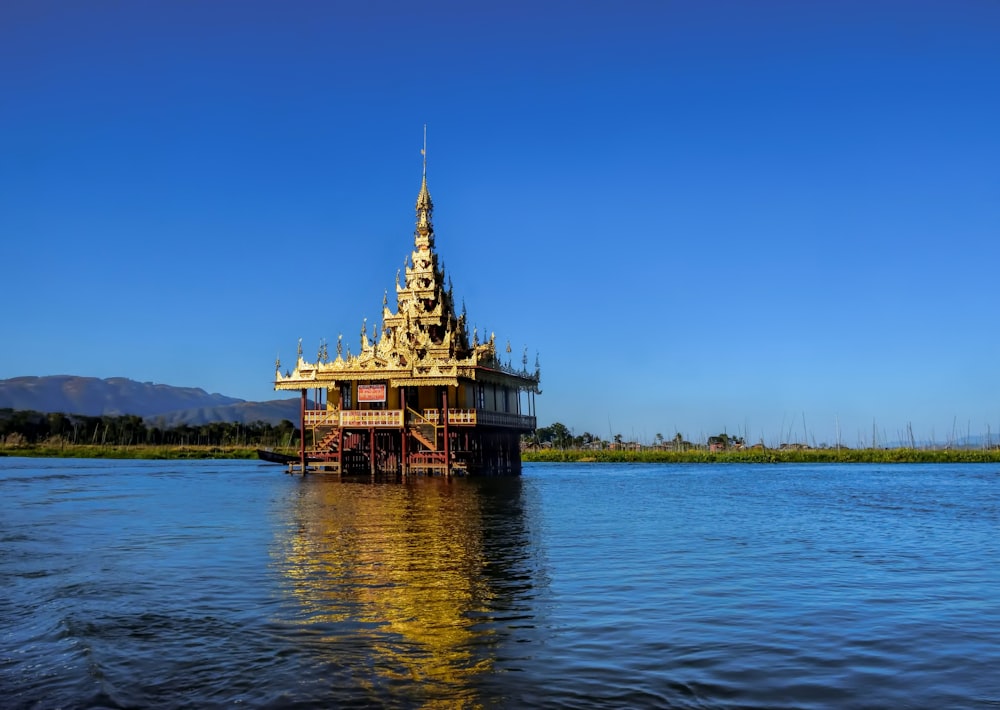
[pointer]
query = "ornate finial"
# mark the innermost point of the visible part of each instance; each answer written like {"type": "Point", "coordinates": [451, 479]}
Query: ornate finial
{"type": "Point", "coordinates": [524, 358]}
{"type": "Point", "coordinates": [340, 344]}
{"type": "Point", "coordinates": [423, 151]}
{"type": "Point", "coordinates": [424, 234]}
{"type": "Point", "coordinates": [475, 335]}
{"type": "Point", "coordinates": [508, 346]}
{"type": "Point", "coordinates": [300, 347]}
{"type": "Point", "coordinates": [364, 327]}
{"type": "Point", "coordinates": [324, 352]}
{"type": "Point", "coordinates": [385, 294]}
{"type": "Point", "coordinates": [397, 279]}
{"type": "Point", "coordinates": [277, 363]}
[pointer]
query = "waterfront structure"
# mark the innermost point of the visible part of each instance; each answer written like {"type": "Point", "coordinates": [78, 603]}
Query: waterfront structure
{"type": "Point", "coordinates": [421, 396]}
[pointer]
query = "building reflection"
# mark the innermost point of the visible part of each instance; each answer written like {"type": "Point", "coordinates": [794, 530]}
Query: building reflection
{"type": "Point", "coordinates": [423, 581]}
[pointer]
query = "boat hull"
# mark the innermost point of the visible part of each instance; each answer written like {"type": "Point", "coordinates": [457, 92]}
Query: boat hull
{"type": "Point", "coordinates": [275, 457]}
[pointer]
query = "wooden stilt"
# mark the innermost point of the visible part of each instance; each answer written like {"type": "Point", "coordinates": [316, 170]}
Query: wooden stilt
{"type": "Point", "coordinates": [405, 463]}
{"type": "Point", "coordinates": [302, 432]}
{"type": "Point", "coordinates": [447, 447]}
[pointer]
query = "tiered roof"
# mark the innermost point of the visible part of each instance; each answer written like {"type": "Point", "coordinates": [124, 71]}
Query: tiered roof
{"type": "Point", "coordinates": [424, 342]}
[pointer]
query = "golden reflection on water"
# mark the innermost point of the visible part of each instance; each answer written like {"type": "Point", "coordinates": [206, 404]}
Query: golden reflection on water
{"type": "Point", "coordinates": [403, 569]}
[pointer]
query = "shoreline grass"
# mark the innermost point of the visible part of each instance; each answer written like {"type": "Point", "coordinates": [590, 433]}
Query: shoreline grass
{"type": "Point", "coordinates": [896, 455]}
{"type": "Point", "coordinates": [107, 451]}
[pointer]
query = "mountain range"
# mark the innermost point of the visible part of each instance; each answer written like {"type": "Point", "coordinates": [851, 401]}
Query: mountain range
{"type": "Point", "coordinates": [159, 405]}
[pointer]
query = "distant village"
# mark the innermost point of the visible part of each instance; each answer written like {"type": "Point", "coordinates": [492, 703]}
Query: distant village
{"type": "Point", "coordinates": [559, 436]}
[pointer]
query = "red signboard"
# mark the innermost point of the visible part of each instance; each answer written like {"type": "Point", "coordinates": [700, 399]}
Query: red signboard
{"type": "Point", "coordinates": [371, 393]}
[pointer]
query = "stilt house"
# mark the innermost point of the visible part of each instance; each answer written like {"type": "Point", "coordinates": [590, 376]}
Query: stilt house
{"type": "Point", "coordinates": [421, 396]}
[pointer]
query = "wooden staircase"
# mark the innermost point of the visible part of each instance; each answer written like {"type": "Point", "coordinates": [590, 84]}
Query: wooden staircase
{"type": "Point", "coordinates": [423, 430]}
{"type": "Point", "coordinates": [328, 442]}
{"type": "Point", "coordinates": [426, 435]}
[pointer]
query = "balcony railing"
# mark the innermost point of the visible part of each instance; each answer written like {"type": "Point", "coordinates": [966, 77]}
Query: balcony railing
{"type": "Point", "coordinates": [322, 417]}
{"type": "Point", "coordinates": [371, 417]}
{"type": "Point", "coordinates": [393, 418]}
{"type": "Point", "coordinates": [456, 417]}
{"type": "Point", "coordinates": [472, 417]}
{"type": "Point", "coordinates": [506, 419]}
{"type": "Point", "coordinates": [355, 417]}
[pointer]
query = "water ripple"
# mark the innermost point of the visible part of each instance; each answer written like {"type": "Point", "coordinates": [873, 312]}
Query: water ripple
{"type": "Point", "coordinates": [208, 584]}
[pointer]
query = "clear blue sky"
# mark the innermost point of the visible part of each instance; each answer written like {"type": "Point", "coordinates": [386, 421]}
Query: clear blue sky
{"type": "Point", "coordinates": [703, 216]}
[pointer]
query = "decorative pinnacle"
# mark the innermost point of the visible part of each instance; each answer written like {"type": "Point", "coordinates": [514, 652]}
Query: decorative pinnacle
{"type": "Point", "coordinates": [423, 152]}
{"type": "Point", "coordinates": [425, 230]}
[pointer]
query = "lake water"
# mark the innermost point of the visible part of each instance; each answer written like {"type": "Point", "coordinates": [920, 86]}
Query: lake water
{"type": "Point", "coordinates": [225, 583]}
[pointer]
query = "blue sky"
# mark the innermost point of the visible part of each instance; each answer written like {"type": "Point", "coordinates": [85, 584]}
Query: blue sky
{"type": "Point", "coordinates": [767, 218]}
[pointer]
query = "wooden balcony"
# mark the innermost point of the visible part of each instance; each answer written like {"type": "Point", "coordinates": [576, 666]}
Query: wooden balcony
{"type": "Point", "coordinates": [393, 418]}
{"type": "Point", "coordinates": [484, 417]}
{"type": "Point", "coordinates": [355, 418]}
{"type": "Point", "coordinates": [322, 417]}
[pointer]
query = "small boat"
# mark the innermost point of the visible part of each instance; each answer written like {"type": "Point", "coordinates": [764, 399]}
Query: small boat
{"type": "Point", "coordinates": [275, 457]}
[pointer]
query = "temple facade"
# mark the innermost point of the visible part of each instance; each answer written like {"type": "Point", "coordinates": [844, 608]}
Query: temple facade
{"type": "Point", "coordinates": [421, 396]}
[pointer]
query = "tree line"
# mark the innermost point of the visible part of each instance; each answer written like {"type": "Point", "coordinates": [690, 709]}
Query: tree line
{"type": "Point", "coordinates": [559, 436]}
{"type": "Point", "coordinates": [27, 427]}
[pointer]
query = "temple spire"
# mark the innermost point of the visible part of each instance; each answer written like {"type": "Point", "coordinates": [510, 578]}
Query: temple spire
{"type": "Point", "coordinates": [424, 235]}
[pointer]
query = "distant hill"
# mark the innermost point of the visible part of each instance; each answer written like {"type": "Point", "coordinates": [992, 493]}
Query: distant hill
{"type": "Point", "coordinates": [272, 411]}
{"type": "Point", "coordinates": [159, 405]}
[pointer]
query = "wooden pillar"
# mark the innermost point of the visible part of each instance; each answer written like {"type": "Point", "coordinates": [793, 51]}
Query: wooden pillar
{"type": "Point", "coordinates": [371, 449]}
{"type": "Point", "coordinates": [444, 418]}
{"type": "Point", "coordinates": [302, 432]}
{"type": "Point", "coordinates": [340, 448]}
{"type": "Point", "coordinates": [402, 434]}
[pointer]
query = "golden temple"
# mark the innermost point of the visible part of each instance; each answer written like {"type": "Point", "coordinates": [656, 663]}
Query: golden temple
{"type": "Point", "coordinates": [420, 396]}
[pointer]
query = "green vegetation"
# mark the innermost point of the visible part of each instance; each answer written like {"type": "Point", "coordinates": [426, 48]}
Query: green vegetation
{"type": "Point", "coordinates": [901, 455]}
{"type": "Point", "coordinates": [141, 451]}
{"type": "Point", "coordinates": [28, 433]}
{"type": "Point", "coordinates": [557, 442]}
{"type": "Point", "coordinates": [761, 455]}
{"type": "Point", "coordinates": [20, 427]}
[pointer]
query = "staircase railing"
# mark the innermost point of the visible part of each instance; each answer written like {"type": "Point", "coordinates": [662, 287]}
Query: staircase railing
{"type": "Point", "coordinates": [423, 429]}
